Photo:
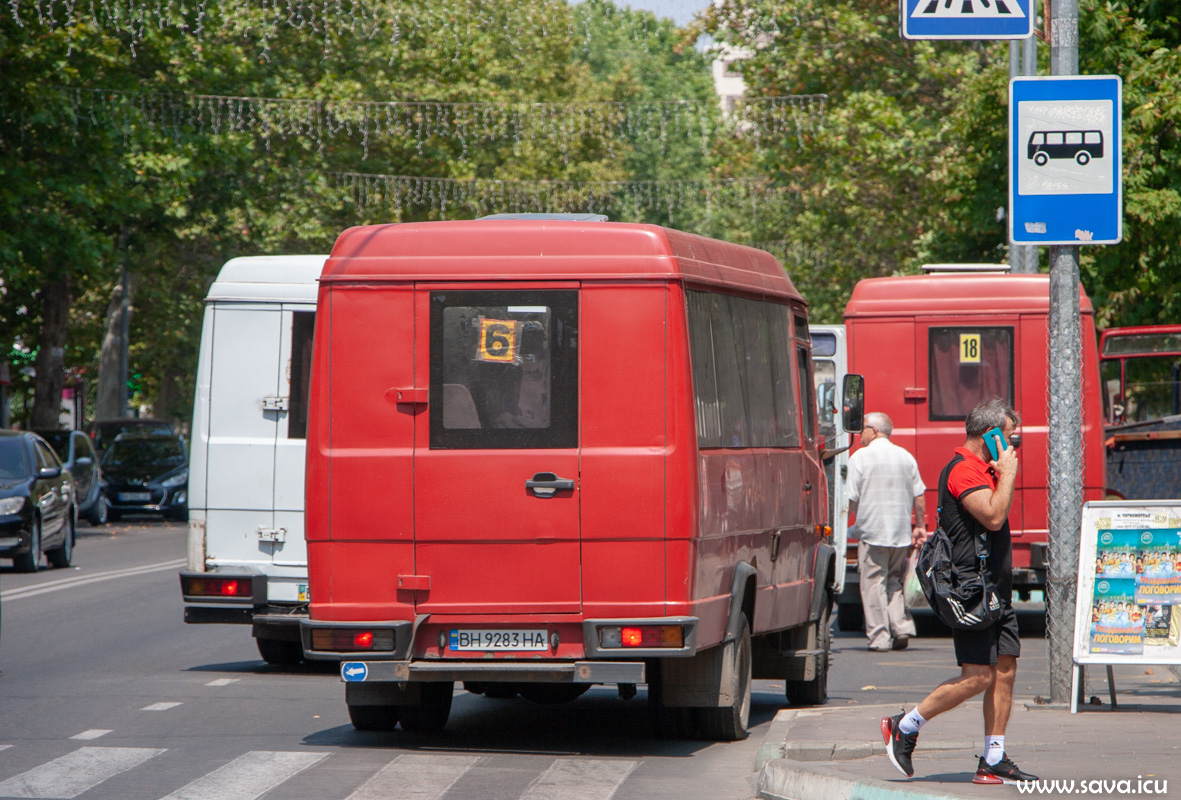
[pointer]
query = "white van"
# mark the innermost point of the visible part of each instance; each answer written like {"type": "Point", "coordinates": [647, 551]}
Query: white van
{"type": "Point", "coordinates": [830, 364]}
{"type": "Point", "coordinates": [247, 558]}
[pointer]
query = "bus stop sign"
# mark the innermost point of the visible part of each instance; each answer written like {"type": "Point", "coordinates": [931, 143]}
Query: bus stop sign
{"type": "Point", "coordinates": [1065, 160]}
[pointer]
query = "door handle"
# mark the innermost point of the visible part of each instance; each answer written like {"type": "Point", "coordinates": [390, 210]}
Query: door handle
{"type": "Point", "coordinates": [545, 484]}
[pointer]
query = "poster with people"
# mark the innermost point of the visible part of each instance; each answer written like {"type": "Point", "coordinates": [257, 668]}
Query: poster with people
{"type": "Point", "coordinates": [1129, 601]}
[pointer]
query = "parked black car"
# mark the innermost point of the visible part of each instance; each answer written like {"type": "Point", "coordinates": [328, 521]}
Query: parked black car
{"type": "Point", "coordinates": [37, 507]}
{"type": "Point", "coordinates": [146, 474]}
{"type": "Point", "coordinates": [104, 431]}
{"type": "Point", "coordinates": [78, 456]}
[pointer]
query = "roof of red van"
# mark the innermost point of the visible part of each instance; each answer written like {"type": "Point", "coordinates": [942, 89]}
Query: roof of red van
{"type": "Point", "coordinates": [528, 250]}
{"type": "Point", "coordinates": [959, 294]}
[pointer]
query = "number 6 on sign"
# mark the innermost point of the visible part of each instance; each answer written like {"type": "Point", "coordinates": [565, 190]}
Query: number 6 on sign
{"type": "Point", "coordinates": [969, 348]}
{"type": "Point", "coordinates": [498, 340]}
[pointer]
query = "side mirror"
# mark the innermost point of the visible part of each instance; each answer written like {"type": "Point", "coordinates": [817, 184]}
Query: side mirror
{"type": "Point", "coordinates": [49, 472]}
{"type": "Point", "coordinates": [853, 394]}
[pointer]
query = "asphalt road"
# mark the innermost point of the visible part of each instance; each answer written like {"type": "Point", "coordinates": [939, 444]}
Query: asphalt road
{"type": "Point", "coordinates": [105, 694]}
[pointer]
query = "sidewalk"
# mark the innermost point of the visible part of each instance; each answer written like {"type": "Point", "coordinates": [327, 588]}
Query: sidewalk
{"type": "Point", "coordinates": [836, 753]}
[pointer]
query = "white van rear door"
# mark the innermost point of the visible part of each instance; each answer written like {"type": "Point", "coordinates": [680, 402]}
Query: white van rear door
{"type": "Point", "coordinates": [243, 423]}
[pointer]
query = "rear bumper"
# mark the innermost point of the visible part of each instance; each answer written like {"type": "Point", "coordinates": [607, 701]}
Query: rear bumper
{"type": "Point", "coordinates": [493, 672]}
{"type": "Point", "coordinates": [270, 620]}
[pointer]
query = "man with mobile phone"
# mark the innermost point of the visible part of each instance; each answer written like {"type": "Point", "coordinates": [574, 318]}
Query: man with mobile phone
{"type": "Point", "coordinates": [979, 493]}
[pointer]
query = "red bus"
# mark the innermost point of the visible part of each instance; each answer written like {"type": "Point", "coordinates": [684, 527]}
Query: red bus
{"type": "Point", "coordinates": [1141, 372]}
{"type": "Point", "coordinates": [545, 454]}
{"type": "Point", "coordinates": [933, 346]}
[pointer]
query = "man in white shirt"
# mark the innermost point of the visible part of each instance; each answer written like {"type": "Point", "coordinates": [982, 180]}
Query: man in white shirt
{"type": "Point", "coordinates": [884, 487]}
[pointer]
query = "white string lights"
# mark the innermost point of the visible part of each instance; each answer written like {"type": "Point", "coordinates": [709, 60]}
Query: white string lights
{"type": "Point", "coordinates": [468, 124]}
{"type": "Point", "coordinates": [454, 24]}
{"type": "Point", "coordinates": [396, 194]}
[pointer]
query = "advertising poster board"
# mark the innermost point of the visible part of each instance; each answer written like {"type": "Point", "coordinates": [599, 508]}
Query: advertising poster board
{"type": "Point", "coordinates": [1129, 583]}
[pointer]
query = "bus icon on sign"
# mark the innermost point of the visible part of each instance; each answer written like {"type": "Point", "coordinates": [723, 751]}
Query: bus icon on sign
{"type": "Point", "coordinates": [1082, 146]}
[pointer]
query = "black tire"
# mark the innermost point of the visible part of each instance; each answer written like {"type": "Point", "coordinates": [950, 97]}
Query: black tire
{"type": "Point", "coordinates": [815, 691]}
{"type": "Point", "coordinates": [850, 617]}
{"type": "Point", "coordinates": [28, 562]}
{"type": "Point", "coordinates": [60, 557]}
{"type": "Point", "coordinates": [280, 652]}
{"type": "Point", "coordinates": [730, 723]}
{"type": "Point", "coordinates": [1082, 157]}
{"type": "Point", "coordinates": [430, 714]}
{"type": "Point", "coordinates": [500, 691]}
{"type": "Point", "coordinates": [99, 512]}
{"type": "Point", "coordinates": [1040, 158]}
{"type": "Point", "coordinates": [374, 718]}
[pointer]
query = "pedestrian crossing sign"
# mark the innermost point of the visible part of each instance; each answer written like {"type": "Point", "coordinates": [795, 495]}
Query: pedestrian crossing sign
{"type": "Point", "coordinates": [967, 19]}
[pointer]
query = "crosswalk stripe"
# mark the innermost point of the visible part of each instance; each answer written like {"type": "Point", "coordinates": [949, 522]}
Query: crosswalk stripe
{"type": "Point", "coordinates": [93, 733]}
{"type": "Point", "coordinates": [415, 777]}
{"type": "Point", "coordinates": [72, 774]}
{"type": "Point", "coordinates": [222, 682]}
{"type": "Point", "coordinates": [580, 779]}
{"type": "Point", "coordinates": [248, 776]}
{"type": "Point", "coordinates": [160, 706]}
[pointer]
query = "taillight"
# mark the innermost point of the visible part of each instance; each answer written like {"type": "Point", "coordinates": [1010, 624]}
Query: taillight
{"type": "Point", "coordinates": [646, 636]}
{"type": "Point", "coordinates": [217, 587]}
{"type": "Point", "coordinates": [352, 640]}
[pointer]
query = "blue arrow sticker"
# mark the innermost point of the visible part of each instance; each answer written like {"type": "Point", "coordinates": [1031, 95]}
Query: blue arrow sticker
{"type": "Point", "coordinates": [354, 671]}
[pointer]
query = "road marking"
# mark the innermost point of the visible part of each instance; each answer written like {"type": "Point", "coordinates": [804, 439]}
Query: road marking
{"type": "Point", "coordinates": [98, 577]}
{"type": "Point", "coordinates": [5, 746]}
{"type": "Point", "coordinates": [93, 733]}
{"type": "Point", "coordinates": [160, 706]}
{"type": "Point", "coordinates": [71, 775]}
{"type": "Point", "coordinates": [415, 777]}
{"type": "Point", "coordinates": [580, 779]}
{"type": "Point", "coordinates": [223, 682]}
{"type": "Point", "coordinates": [248, 776]}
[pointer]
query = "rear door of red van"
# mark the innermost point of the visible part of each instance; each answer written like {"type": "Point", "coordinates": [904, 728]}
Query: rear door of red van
{"type": "Point", "coordinates": [496, 454]}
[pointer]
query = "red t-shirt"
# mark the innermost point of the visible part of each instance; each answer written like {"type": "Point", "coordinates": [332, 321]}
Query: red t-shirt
{"type": "Point", "coordinates": [969, 475]}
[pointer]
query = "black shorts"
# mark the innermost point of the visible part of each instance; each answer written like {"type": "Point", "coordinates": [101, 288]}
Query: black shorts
{"type": "Point", "coordinates": [982, 647]}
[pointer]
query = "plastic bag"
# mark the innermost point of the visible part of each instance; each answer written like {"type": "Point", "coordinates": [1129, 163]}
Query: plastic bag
{"type": "Point", "coordinates": [912, 589]}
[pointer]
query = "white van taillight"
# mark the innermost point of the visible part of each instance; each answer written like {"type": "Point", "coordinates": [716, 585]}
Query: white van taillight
{"type": "Point", "coordinates": [642, 636]}
{"type": "Point", "coordinates": [352, 640]}
{"type": "Point", "coordinates": [216, 587]}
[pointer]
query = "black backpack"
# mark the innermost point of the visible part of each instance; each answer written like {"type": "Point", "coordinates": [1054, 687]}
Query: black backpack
{"type": "Point", "coordinates": [963, 597]}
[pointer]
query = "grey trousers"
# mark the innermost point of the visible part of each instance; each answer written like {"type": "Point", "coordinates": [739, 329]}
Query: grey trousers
{"type": "Point", "coordinates": [882, 570]}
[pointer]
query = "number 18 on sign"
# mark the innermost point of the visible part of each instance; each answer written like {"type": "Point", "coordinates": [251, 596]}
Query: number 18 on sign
{"type": "Point", "coordinates": [1065, 160]}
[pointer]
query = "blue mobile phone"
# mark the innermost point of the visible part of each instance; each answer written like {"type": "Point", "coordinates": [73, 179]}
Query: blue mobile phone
{"type": "Point", "coordinates": [992, 438]}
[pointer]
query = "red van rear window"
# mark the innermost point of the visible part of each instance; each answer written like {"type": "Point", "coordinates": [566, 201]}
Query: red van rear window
{"type": "Point", "coordinates": [968, 365]}
{"type": "Point", "coordinates": [504, 369]}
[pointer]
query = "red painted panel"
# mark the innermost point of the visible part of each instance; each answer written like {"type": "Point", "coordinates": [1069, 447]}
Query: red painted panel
{"type": "Point", "coordinates": [360, 580]}
{"type": "Point", "coordinates": [372, 436]}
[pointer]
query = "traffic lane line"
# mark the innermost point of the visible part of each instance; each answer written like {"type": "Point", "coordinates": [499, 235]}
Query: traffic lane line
{"type": "Point", "coordinates": [69, 583]}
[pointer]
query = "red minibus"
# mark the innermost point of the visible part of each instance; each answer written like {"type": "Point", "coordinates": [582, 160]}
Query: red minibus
{"type": "Point", "coordinates": [1141, 372]}
{"type": "Point", "coordinates": [933, 346]}
{"type": "Point", "coordinates": [550, 453]}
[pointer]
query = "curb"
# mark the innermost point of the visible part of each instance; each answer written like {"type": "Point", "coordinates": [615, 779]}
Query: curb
{"type": "Point", "coordinates": [783, 780]}
{"type": "Point", "coordinates": [795, 770]}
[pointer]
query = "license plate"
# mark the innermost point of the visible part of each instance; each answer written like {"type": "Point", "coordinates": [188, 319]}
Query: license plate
{"type": "Point", "coordinates": [134, 497]}
{"type": "Point", "coordinates": [498, 640]}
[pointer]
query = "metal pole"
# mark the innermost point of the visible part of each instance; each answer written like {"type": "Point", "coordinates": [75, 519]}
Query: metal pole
{"type": "Point", "coordinates": [124, 339]}
{"type": "Point", "coordinates": [1065, 409]}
